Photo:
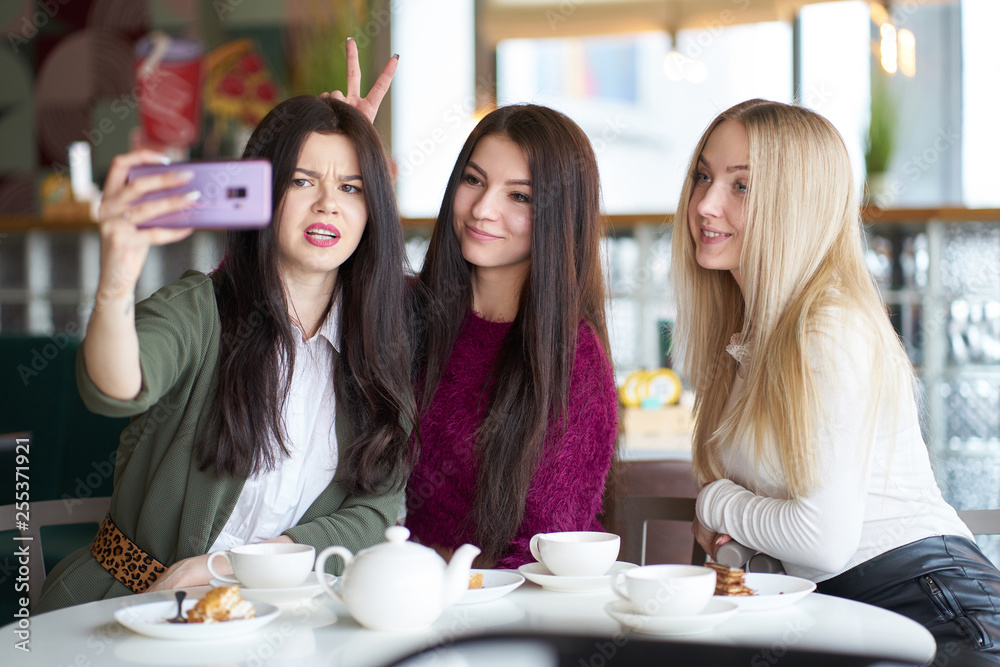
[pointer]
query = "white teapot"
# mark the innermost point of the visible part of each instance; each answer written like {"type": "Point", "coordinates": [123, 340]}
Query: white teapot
{"type": "Point", "coordinates": [397, 585]}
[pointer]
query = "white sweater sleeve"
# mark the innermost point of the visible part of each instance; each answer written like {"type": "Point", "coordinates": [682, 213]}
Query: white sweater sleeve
{"type": "Point", "coordinates": [820, 532]}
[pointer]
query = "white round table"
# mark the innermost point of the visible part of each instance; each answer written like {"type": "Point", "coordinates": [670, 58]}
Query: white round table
{"type": "Point", "coordinates": [321, 632]}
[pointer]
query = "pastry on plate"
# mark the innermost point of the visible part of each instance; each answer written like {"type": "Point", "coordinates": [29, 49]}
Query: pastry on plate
{"type": "Point", "coordinates": [730, 580]}
{"type": "Point", "coordinates": [221, 604]}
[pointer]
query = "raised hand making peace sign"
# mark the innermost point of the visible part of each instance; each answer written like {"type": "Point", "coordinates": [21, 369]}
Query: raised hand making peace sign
{"type": "Point", "coordinates": [366, 105]}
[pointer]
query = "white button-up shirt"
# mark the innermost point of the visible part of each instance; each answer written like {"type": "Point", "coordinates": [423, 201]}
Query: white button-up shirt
{"type": "Point", "coordinates": [275, 500]}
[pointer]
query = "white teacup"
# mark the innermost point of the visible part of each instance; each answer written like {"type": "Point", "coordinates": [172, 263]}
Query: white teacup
{"type": "Point", "coordinates": [576, 553]}
{"type": "Point", "coordinates": [666, 590]}
{"type": "Point", "coordinates": [267, 565]}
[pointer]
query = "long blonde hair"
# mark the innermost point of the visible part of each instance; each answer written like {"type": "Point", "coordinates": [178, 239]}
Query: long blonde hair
{"type": "Point", "coordinates": [802, 258]}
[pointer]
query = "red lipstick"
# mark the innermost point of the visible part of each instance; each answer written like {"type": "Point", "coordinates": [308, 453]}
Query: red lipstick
{"type": "Point", "coordinates": [322, 235]}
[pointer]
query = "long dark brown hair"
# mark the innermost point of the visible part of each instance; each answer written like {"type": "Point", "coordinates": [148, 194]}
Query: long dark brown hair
{"type": "Point", "coordinates": [564, 286]}
{"type": "Point", "coordinates": [371, 378]}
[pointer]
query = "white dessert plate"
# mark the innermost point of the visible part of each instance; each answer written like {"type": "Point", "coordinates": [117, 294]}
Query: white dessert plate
{"type": "Point", "coordinates": [773, 591]}
{"type": "Point", "coordinates": [539, 574]}
{"type": "Point", "coordinates": [496, 584]}
{"type": "Point", "coordinates": [717, 611]}
{"type": "Point", "coordinates": [150, 620]}
{"type": "Point", "coordinates": [309, 589]}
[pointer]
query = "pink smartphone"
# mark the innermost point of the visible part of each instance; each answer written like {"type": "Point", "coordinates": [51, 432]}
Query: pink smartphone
{"type": "Point", "coordinates": [234, 194]}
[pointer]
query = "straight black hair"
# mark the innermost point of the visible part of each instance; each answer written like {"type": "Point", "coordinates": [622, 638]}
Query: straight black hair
{"type": "Point", "coordinates": [371, 378]}
{"type": "Point", "coordinates": [565, 286]}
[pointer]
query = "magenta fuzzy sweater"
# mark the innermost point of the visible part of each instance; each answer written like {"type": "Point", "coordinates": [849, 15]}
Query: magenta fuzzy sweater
{"type": "Point", "coordinates": [566, 490]}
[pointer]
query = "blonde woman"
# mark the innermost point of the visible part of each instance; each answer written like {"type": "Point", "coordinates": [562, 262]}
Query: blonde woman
{"type": "Point", "coordinates": [807, 438]}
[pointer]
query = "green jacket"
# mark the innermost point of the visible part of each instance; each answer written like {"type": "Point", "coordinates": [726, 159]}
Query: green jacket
{"type": "Point", "coordinates": [161, 501]}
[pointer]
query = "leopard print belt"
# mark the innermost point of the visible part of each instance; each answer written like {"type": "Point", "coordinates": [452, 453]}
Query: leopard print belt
{"type": "Point", "coordinates": [124, 559]}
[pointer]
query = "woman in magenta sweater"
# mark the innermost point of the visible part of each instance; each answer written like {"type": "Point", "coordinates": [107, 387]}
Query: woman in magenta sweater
{"type": "Point", "coordinates": [518, 405]}
{"type": "Point", "coordinates": [518, 416]}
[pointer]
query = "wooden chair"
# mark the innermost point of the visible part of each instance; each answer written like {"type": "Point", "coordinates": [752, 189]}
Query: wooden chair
{"type": "Point", "coordinates": [981, 522]}
{"type": "Point", "coordinates": [651, 505]}
{"type": "Point", "coordinates": [638, 511]}
{"type": "Point", "coordinates": [48, 513]}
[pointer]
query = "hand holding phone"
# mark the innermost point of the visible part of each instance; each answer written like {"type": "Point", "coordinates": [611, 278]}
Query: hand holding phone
{"type": "Point", "coordinates": [234, 194]}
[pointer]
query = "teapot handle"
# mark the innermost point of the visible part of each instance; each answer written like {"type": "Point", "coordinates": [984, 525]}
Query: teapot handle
{"type": "Point", "coordinates": [324, 556]}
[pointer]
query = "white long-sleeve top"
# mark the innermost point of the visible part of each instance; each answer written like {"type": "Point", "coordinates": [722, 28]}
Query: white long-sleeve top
{"type": "Point", "coordinates": [859, 510]}
{"type": "Point", "coordinates": [272, 501]}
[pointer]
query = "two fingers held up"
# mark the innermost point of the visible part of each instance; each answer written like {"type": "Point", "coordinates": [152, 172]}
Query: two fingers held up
{"type": "Point", "coordinates": [369, 104]}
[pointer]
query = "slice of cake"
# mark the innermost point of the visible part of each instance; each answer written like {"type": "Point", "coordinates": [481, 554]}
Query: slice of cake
{"type": "Point", "coordinates": [221, 604]}
{"type": "Point", "coordinates": [730, 580]}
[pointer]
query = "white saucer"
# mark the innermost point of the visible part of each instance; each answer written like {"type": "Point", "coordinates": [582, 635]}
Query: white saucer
{"type": "Point", "coordinates": [309, 589]}
{"type": "Point", "coordinates": [773, 591]}
{"type": "Point", "coordinates": [717, 611]}
{"type": "Point", "coordinates": [496, 584]}
{"type": "Point", "coordinates": [150, 620]}
{"type": "Point", "coordinates": [539, 574]}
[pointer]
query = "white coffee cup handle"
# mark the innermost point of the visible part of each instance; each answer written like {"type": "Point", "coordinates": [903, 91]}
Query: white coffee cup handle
{"type": "Point", "coordinates": [533, 546]}
{"type": "Point", "coordinates": [229, 579]}
{"type": "Point", "coordinates": [324, 556]}
{"type": "Point", "coordinates": [616, 585]}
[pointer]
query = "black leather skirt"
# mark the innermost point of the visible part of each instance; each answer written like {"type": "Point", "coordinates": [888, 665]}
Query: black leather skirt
{"type": "Point", "coordinates": [945, 583]}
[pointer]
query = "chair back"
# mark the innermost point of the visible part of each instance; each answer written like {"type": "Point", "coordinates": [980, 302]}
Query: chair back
{"type": "Point", "coordinates": [46, 513]}
{"type": "Point", "coordinates": [981, 522]}
{"type": "Point", "coordinates": [640, 510]}
{"type": "Point", "coordinates": [661, 492]}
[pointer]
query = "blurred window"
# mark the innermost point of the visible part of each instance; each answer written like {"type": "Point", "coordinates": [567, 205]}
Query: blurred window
{"type": "Point", "coordinates": [643, 103]}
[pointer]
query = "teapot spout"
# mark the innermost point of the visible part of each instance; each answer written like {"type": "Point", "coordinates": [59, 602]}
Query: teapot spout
{"type": "Point", "coordinates": [456, 575]}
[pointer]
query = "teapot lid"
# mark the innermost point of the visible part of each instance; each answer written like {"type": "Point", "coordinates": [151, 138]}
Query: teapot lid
{"type": "Point", "coordinates": [397, 546]}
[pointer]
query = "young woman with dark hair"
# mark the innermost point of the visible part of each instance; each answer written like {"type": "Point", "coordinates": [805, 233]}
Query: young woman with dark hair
{"type": "Point", "coordinates": [264, 406]}
{"type": "Point", "coordinates": [518, 418]}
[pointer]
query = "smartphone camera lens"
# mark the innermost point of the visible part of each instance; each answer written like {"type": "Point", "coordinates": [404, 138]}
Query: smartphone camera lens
{"type": "Point", "coordinates": [236, 193]}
